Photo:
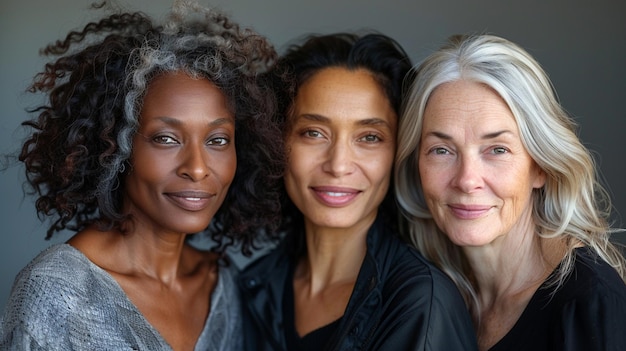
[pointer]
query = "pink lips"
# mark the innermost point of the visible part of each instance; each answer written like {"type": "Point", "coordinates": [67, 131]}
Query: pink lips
{"type": "Point", "coordinates": [335, 196]}
{"type": "Point", "coordinates": [469, 211]}
{"type": "Point", "coordinates": [190, 200]}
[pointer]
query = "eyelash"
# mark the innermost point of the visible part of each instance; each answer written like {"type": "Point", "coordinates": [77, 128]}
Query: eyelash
{"type": "Point", "coordinates": [498, 150]}
{"type": "Point", "coordinates": [376, 136]}
{"type": "Point", "coordinates": [311, 133]}
{"type": "Point", "coordinates": [502, 148]}
{"type": "Point", "coordinates": [438, 151]}
{"type": "Point", "coordinates": [163, 140]}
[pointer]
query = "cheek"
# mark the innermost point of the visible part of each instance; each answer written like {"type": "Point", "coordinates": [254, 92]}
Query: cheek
{"type": "Point", "coordinates": [227, 166]}
{"type": "Point", "coordinates": [146, 167]}
{"type": "Point", "coordinates": [426, 177]}
{"type": "Point", "coordinates": [300, 161]}
{"type": "Point", "coordinates": [380, 169]}
{"type": "Point", "coordinates": [294, 174]}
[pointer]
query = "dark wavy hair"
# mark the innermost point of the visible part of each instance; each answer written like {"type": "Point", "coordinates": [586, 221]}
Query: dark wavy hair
{"type": "Point", "coordinates": [379, 54]}
{"type": "Point", "coordinates": [76, 156]}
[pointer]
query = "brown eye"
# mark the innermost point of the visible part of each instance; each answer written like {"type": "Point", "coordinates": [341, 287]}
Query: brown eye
{"type": "Point", "coordinates": [371, 138]}
{"type": "Point", "coordinates": [220, 141]}
{"type": "Point", "coordinates": [164, 139]}
{"type": "Point", "coordinates": [312, 133]}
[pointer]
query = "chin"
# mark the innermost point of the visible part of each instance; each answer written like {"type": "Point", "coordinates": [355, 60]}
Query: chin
{"type": "Point", "coordinates": [469, 239]}
{"type": "Point", "coordinates": [192, 228]}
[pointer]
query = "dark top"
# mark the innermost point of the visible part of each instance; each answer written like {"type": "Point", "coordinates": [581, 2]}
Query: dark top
{"type": "Point", "coordinates": [313, 341]}
{"type": "Point", "coordinates": [587, 313]}
{"type": "Point", "coordinates": [400, 302]}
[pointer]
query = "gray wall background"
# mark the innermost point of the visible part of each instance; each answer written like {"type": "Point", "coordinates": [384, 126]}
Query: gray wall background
{"type": "Point", "coordinates": [582, 45]}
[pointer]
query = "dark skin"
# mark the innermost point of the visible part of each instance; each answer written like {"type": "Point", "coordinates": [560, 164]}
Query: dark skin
{"type": "Point", "coordinates": [169, 283]}
{"type": "Point", "coordinates": [182, 165]}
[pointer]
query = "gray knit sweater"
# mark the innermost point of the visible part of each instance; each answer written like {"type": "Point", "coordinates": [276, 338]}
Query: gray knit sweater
{"type": "Point", "coordinates": [62, 301]}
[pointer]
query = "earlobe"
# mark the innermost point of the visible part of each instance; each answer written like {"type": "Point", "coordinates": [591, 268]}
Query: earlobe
{"type": "Point", "coordinates": [540, 179]}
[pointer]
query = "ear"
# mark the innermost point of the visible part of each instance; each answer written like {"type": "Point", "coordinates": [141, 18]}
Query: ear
{"type": "Point", "coordinates": [540, 177]}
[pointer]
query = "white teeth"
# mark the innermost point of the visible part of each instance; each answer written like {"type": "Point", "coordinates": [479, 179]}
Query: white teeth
{"type": "Point", "coordinates": [192, 198]}
{"type": "Point", "coordinates": [336, 194]}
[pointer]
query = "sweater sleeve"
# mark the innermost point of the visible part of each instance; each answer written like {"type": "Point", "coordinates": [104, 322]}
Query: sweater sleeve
{"type": "Point", "coordinates": [32, 319]}
{"type": "Point", "coordinates": [18, 338]}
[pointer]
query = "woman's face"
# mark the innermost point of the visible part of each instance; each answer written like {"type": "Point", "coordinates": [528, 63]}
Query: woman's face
{"type": "Point", "coordinates": [340, 146]}
{"type": "Point", "coordinates": [476, 174]}
{"type": "Point", "coordinates": [183, 158]}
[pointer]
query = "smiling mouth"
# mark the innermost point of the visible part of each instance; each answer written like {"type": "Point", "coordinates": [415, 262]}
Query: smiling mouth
{"type": "Point", "coordinates": [335, 197]}
{"type": "Point", "coordinates": [191, 201]}
{"type": "Point", "coordinates": [469, 212]}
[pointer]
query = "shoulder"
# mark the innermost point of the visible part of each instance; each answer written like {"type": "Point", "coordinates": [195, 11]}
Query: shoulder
{"type": "Point", "coordinates": [405, 263]}
{"type": "Point", "coordinates": [58, 264]}
{"type": "Point", "coordinates": [420, 303]}
{"type": "Point", "coordinates": [592, 277]}
{"type": "Point", "coordinates": [265, 268]}
{"type": "Point", "coordinates": [57, 284]}
{"type": "Point", "coordinates": [59, 275]}
{"type": "Point", "coordinates": [590, 307]}
{"type": "Point", "coordinates": [590, 288]}
{"type": "Point", "coordinates": [407, 275]}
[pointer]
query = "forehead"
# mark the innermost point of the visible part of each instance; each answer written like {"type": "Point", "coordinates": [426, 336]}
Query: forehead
{"type": "Point", "coordinates": [462, 101]}
{"type": "Point", "coordinates": [178, 97]}
{"type": "Point", "coordinates": [339, 91]}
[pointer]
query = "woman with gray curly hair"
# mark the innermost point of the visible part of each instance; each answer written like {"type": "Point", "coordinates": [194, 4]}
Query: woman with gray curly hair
{"type": "Point", "coordinates": [149, 133]}
{"type": "Point", "coordinates": [501, 194]}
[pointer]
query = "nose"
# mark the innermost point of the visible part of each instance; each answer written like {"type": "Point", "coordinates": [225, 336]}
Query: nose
{"type": "Point", "coordinates": [468, 176]}
{"type": "Point", "coordinates": [340, 159]}
{"type": "Point", "coordinates": [194, 162]}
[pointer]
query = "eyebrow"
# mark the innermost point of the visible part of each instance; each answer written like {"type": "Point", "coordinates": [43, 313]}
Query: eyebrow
{"type": "Point", "coordinates": [487, 136]}
{"type": "Point", "coordinates": [177, 122]}
{"type": "Point", "coordinates": [364, 122]}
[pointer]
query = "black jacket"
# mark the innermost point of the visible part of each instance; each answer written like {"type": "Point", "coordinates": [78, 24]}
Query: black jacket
{"type": "Point", "coordinates": [400, 302]}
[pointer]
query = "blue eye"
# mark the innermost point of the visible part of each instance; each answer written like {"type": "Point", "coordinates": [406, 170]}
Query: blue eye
{"type": "Point", "coordinates": [499, 150]}
{"type": "Point", "coordinates": [440, 151]}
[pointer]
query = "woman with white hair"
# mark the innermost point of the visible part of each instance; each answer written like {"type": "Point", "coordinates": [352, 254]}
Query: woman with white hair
{"type": "Point", "coordinates": [501, 194]}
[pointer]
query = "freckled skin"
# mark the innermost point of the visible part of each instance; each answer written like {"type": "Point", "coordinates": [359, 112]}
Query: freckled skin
{"type": "Point", "coordinates": [476, 174]}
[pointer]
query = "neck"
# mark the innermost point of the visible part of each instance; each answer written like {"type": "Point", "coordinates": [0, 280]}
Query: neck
{"type": "Point", "coordinates": [334, 255]}
{"type": "Point", "coordinates": [513, 267]}
{"type": "Point", "coordinates": [156, 255]}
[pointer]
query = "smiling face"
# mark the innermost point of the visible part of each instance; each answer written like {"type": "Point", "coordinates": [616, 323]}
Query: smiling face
{"type": "Point", "coordinates": [341, 145]}
{"type": "Point", "coordinates": [476, 174]}
{"type": "Point", "coordinates": [183, 158]}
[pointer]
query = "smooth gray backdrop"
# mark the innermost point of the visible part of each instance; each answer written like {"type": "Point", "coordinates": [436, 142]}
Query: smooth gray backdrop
{"type": "Point", "coordinates": [581, 43]}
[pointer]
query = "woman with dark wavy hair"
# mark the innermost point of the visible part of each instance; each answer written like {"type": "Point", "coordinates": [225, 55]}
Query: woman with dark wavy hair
{"type": "Point", "coordinates": [149, 133]}
{"type": "Point", "coordinates": [343, 279]}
